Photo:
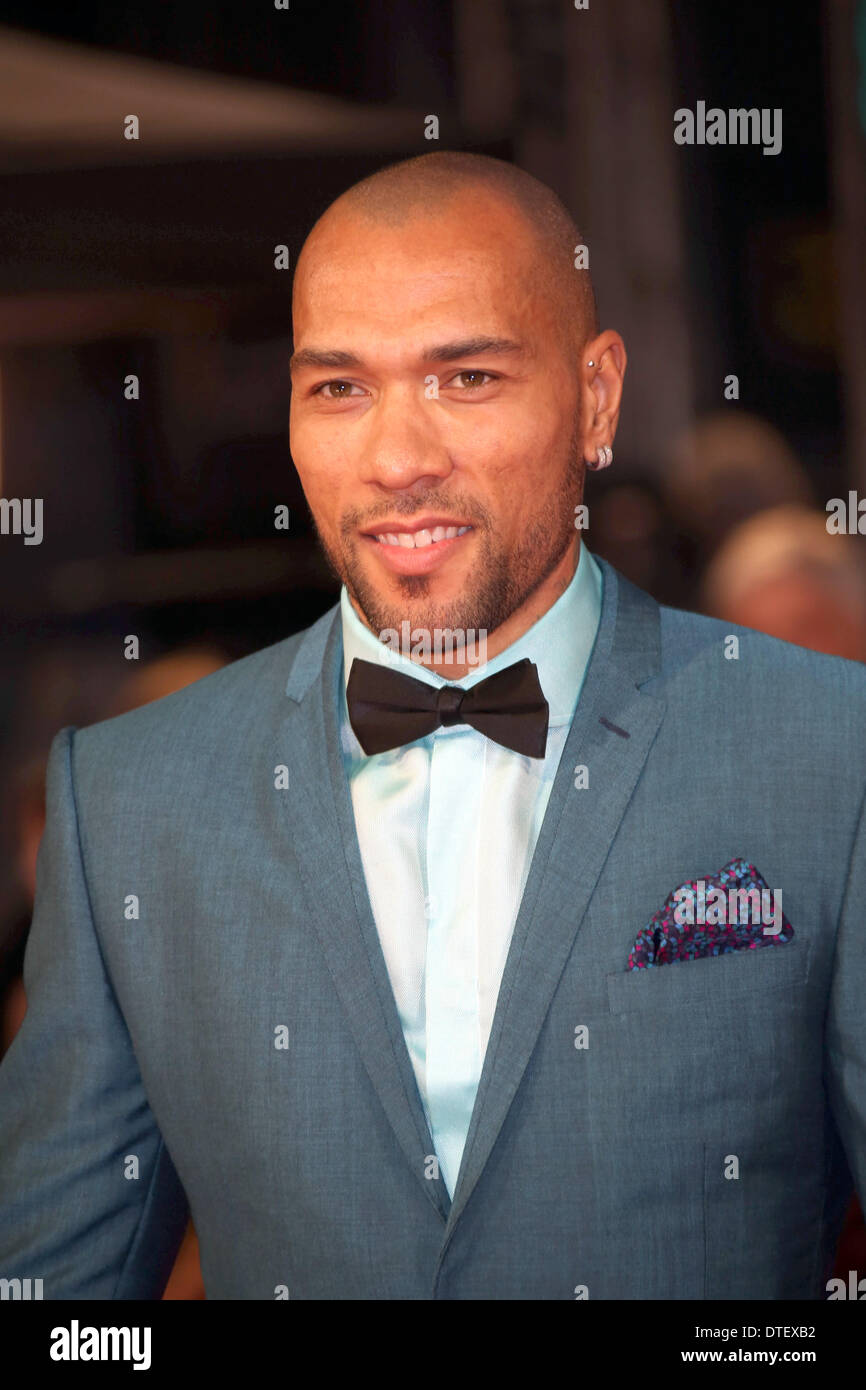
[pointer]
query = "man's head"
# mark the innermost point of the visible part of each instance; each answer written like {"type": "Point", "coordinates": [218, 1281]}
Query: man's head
{"type": "Point", "coordinates": [442, 337]}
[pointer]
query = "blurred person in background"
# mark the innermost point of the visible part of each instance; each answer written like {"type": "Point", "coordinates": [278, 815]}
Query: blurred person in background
{"type": "Point", "coordinates": [727, 466]}
{"type": "Point", "coordinates": [783, 573]}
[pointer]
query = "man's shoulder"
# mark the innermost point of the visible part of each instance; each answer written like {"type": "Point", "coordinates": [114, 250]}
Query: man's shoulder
{"type": "Point", "coordinates": [694, 645]}
{"type": "Point", "coordinates": [751, 696]}
{"type": "Point", "coordinates": [700, 656]}
{"type": "Point", "coordinates": [215, 710]}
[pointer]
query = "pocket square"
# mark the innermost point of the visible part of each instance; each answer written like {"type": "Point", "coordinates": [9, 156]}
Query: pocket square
{"type": "Point", "coordinates": [738, 912]}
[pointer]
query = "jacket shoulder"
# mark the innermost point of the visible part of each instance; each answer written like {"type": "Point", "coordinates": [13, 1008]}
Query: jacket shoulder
{"type": "Point", "coordinates": [690, 641]}
{"type": "Point", "coordinates": [219, 710]}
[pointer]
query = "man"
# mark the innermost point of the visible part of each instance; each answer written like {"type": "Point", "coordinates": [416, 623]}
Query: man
{"type": "Point", "coordinates": [334, 950]}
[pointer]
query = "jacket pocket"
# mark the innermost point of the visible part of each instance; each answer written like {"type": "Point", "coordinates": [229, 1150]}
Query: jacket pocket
{"type": "Point", "coordinates": [711, 978]}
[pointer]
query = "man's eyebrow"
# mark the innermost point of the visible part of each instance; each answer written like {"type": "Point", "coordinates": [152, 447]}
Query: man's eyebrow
{"type": "Point", "coordinates": [471, 347]}
{"type": "Point", "coordinates": [441, 352]}
{"type": "Point", "coordinates": [323, 357]}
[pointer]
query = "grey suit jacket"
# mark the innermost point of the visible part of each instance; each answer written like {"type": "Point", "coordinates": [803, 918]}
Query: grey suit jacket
{"type": "Point", "coordinates": [234, 1049]}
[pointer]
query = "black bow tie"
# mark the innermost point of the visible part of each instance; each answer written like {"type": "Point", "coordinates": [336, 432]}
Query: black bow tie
{"type": "Point", "coordinates": [388, 708]}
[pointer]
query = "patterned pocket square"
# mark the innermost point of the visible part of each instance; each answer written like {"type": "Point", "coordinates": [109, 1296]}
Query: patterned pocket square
{"type": "Point", "coordinates": [727, 911]}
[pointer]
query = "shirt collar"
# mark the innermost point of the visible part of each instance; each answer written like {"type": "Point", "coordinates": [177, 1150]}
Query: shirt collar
{"type": "Point", "coordinates": [559, 643]}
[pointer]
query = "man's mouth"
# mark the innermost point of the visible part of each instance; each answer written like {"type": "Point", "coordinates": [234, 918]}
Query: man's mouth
{"type": "Point", "coordinates": [419, 546]}
{"type": "Point", "coordinates": [417, 540]}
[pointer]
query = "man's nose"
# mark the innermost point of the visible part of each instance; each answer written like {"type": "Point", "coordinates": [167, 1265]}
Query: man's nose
{"type": "Point", "coordinates": [401, 442]}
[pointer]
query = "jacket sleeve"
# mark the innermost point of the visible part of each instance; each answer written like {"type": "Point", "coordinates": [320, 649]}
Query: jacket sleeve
{"type": "Point", "coordinates": [73, 1111]}
{"type": "Point", "coordinates": [845, 1036]}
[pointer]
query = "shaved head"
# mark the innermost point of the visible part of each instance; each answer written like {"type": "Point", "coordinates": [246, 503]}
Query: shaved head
{"type": "Point", "coordinates": [426, 184]}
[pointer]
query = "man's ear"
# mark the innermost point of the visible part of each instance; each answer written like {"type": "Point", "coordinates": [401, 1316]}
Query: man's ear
{"type": "Point", "coordinates": [602, 368]}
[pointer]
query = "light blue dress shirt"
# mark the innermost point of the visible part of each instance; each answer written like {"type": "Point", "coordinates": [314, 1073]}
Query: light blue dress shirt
{"type": "Point", "coordinates": [447, 827]}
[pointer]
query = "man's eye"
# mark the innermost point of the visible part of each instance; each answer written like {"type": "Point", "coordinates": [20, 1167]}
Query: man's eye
{"type": "Point", "coordinates": [334, 390]}
{"type": "Point", "coordinates": [471, 379]}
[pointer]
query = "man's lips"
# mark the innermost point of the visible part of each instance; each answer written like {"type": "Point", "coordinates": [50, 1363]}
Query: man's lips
{"type": "Point", "coordinates": [398, 526]}
{"type": "Point", "coordinates": [418, 546]}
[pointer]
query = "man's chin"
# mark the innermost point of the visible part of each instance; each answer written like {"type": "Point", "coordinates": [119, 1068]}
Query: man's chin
{"type": "Point", "coordinates": [390, 615]}
{"type": "Point", "coordinates": [409, 598]}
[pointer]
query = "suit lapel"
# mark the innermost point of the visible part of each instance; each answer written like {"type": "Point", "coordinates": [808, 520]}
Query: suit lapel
{"type": "Point", "coordinates": [322, 833]}
{"type": "Point", "coordinates": [577, 832]}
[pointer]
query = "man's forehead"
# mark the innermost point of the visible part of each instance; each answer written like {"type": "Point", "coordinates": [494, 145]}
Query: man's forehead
{"type": "Point", "coordinates": [445, 287]}
{"type": "Point", "coordinates": [421, 270]}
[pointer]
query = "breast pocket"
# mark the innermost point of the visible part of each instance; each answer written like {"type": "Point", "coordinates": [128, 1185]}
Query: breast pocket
{"type": "Point", "coordinates": [711, 979]}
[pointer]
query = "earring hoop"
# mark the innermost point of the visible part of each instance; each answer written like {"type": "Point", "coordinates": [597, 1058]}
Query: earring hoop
{"type": "Point", "coordinates": [604, 457]}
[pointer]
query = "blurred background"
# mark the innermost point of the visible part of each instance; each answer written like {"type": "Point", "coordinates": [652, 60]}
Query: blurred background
{"type": "Point", "coordinates": [145, 325]}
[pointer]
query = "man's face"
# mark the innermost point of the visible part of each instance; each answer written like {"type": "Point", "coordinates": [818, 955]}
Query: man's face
{"type": "Point", "coordinates": [404, 422]}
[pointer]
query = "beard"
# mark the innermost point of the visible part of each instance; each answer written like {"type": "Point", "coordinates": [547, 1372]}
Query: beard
{"type": "Point", "coordinates": [501, 581]}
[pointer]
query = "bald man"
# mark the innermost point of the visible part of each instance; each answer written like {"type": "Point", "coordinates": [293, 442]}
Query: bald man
{"type": "Point", "coordinates": [502, 934]}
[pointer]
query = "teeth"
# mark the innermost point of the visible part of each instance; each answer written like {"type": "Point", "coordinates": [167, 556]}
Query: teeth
{"type": "Point", "coordinates": [416, 540]}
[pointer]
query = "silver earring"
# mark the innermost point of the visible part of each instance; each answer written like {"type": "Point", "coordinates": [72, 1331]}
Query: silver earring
{"type": "Point", "coordinates": [604, 457]}
{"type": "Point", "coordinates": [590, 364]}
